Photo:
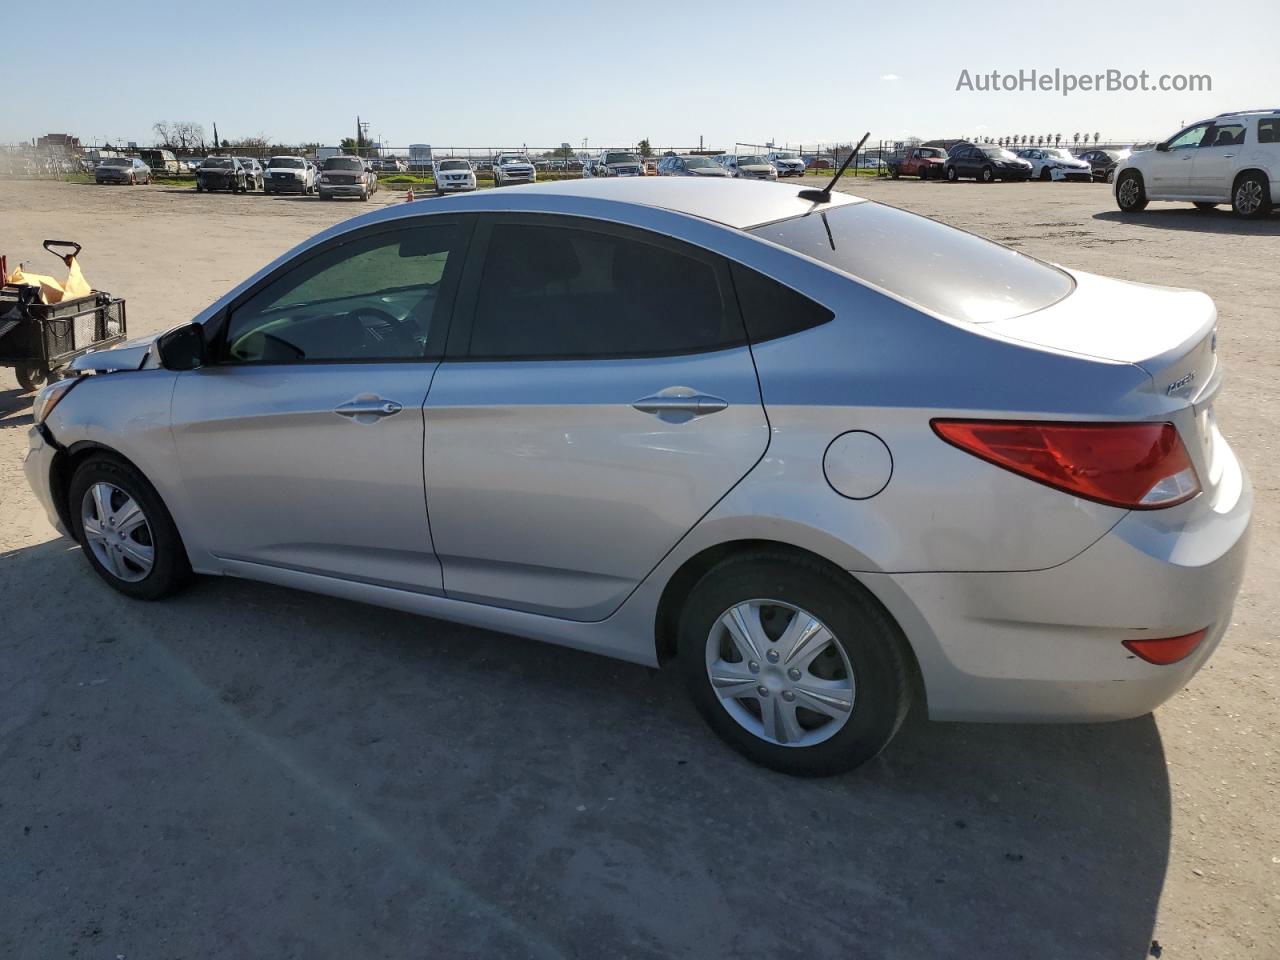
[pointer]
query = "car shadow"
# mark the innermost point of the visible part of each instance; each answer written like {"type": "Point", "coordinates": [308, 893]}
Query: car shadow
{"type": "Point", "coordinates": [1220, 220]}
{"type": "Point", "coordinates": [11, 402]}
{"type": "Point", "coordinates": [306, 764]}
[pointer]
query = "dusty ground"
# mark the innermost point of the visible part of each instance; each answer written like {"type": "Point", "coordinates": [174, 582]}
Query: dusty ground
{"type": "Point", "coordinates": [247, 771]}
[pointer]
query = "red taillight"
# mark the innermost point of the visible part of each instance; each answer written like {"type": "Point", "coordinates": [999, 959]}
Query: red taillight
{"type": "Point", "coordinates": [1166, 650]}
{"type": "Point", "coordinates": [1140, 466]}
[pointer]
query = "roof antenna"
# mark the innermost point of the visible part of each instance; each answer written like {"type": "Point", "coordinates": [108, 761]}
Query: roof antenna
{"type": "Point", "coordinates": [824, 195]}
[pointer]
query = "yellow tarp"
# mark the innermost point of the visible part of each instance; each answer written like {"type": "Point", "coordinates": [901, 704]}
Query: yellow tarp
{"type": "Point", "coordinates": [51, 291]}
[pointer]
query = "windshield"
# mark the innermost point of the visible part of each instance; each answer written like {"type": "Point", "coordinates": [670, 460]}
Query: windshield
{"type": "Point", "coordinates": [247, 161]}
{"type": "Point", "coordinates": [116, 162]}
{"type": "Point", "coordinates": [621, 158]}
{"type": "Point", "coordinates": [217, 163]}
{"type": "Point", "coordinates": [969, 278]}
{"type": "Point", "coordinates": [286, 163]}
{"type": "Point", "coordinates": [699, 163]}
{"type": "Point", "coordinates": [787, 156]}
{"type": "Point", "coordinates": [454, 165]}
{"type": "Point", "coordinates": [751, 161]}
{"type": "Point", "coordinates": [512, 158]}
{"type": "Point", "coordinates": [344, 163]}
{"type": "Point", "coordinates": [1058, 155]}
{"type": "Point", "coordinates": [998, 153]}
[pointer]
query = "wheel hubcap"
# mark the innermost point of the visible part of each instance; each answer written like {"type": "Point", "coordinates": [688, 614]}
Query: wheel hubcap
{"type": "Point", "coordinates": [117, 531]}
{"type": "Point", "coordinates": [1249, 197]}
{"type": "Point", "coordinates": [778, 671]}
{"type": "Point", "coordinates": [1128, 192]}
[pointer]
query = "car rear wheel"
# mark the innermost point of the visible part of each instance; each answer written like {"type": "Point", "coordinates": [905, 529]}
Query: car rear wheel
{"type": "Point", "coordinates": [792, 664]}
{"type": "Point", "coordinates": [127, 534]}
{"type": "Point", "coordinates": [1251, 196]}
{"type": "Point", "coordinates": [894, 173]}
{"type": "Point", "coordinates": [1131, 195]}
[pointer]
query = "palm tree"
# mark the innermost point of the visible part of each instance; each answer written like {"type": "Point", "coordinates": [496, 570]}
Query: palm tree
{"type": "Point", "coordinates": [1096, 138]}
{"type": "Point", "coordinates": [1075, 139]}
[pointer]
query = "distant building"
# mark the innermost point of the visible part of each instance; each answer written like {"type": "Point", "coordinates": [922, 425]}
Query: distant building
{"type": "Point", "coordinates": [60, 143]}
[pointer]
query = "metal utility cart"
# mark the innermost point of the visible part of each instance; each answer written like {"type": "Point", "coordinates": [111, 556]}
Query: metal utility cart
{"type": "Point", "coordinates": [38, 339]}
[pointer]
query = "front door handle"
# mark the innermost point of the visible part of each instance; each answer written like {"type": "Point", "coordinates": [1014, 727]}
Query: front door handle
{"type": "Point", "coordinates": [680, 404]}
{"type": "Point", "coordinates": [367, 408]}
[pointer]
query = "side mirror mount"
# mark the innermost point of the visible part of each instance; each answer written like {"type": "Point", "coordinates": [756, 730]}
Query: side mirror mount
{"type": "Point", "coordinates": [1162, 147]}
{"type": "Point", "coordinates": [182, 348]}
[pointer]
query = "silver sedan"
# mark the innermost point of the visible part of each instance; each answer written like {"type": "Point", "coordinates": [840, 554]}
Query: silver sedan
{"type": "Point", "coordinates": [722, 426]}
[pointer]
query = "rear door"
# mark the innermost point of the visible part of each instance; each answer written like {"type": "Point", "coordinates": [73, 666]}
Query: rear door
{"type": "Point", "coordinates": [300, 445]}
{"type": "Point", "coordinates": [1217, 159]}
{"type": "Point", "coordinates": [598, 398]}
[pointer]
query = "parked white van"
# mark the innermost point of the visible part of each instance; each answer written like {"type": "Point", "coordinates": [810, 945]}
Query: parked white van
{"type": "Point", "coordinates": [1233, 158]}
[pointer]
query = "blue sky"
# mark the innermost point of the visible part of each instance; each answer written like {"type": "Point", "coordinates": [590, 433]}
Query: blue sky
{"type": "Point", "coordinates": [508, 73]}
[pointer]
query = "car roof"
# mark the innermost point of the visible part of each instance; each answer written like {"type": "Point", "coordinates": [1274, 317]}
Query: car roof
{"type": "Point", "coordinates": [734, 203]}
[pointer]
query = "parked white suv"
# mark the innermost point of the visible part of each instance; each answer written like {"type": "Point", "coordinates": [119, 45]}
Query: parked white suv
{"type": "Point", "coordinates": [511, 168]}
{"type": "Point", "coordinates": [1233, 158]}
{"type": "Point", "coordinates": [453, 175]}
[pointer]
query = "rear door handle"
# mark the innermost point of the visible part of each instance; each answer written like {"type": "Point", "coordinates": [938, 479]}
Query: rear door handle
{"type": "Point", "coordinates": [679, 404]}
{"type": "Point", "coordinates": [367, 408]}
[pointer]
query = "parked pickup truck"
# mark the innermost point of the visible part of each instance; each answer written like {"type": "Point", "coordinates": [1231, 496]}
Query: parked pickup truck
{"type": "Point", "coordinates": [922, 162]}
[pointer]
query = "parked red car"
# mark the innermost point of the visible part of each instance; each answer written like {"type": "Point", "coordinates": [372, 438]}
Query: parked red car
{"type": "Point", "coordinates": [922, 162]}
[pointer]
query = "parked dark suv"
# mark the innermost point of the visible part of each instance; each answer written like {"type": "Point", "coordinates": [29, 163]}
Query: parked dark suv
{"type": "Point", "coordinates": [221, 173]}
{"type": "Point", "coordinates": [347, 177]}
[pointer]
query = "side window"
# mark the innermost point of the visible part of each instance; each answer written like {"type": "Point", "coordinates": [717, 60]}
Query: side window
{"type": "Point", "coordinates": [1225, 135]}
{"type": "Point", "coordinates": [372, 298]}
{"type": "Point", "coordinates": [771, 309]}
{"type": "Point", "coordinates": [573, 292]}
{"type": "Point", "coordinates": [1269, 131]}
{"type": "Point", "coordinates": [1190, 137]}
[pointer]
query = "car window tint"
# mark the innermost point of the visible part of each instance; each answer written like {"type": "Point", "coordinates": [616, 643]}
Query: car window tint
{"type": "Point", "coordinates": [1190, 137]}
{"type": "Point", "coordinates": [560, 291]}
{"type": "Point", "coordinates": [968, 277]}
{"type": "Point", "coordinates": [1224, 135]}
{"type": "Point", "coordinates": [771, 309]}
{"type": "Point", "coordinates": [1269, 131]}
{"type": "Point", "coordinates": [373, 298]}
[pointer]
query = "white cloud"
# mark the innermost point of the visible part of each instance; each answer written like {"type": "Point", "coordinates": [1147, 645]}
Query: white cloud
{"type": "Point", "coordinates": [890, 76]}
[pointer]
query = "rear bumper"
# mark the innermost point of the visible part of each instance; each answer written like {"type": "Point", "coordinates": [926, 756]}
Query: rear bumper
{"type": "Point", "coordinates": [1047, 645]}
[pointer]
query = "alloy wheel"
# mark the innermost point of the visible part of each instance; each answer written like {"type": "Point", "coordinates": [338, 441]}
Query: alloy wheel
{"type": "Point", "coordinates": [1128, 193]}
{"type": "Point", "coordinates": [1248, 197]}
{"type": "Point", "coordinates": [117, 531]}
{"type": "Point", "coordinates": [779, 672]}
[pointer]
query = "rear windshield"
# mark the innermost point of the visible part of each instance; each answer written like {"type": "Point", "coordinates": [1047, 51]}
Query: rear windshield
{"type": "Point", "coordinates": [116, 162]}
{"type": "Point", "coordinates": [946, 271]}
{"type": "Point", "coordinates": [698, 163]}
{"type": "Point", "coordinates": [286, 163]}
{"type": "Point", "coordinates": [752, 161]}
{"type": "Point", "coordinates": [343, 163]}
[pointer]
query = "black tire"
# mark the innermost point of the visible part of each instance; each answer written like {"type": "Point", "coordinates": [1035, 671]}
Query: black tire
{"type": "Point", "coordinates": [1205, 206]}
{"type": "Point", "coordinates": [894, 173]}
{"type": "Point", "coordinates": [1250, 189]}
{"type": "Point", "coordinates": [953, 174]}
{"type": "Point", "coordinates": [923, 173]}
{"type": "Point", "coordinates": [170, 569]}
{"type": "Point", "coordinates": [30, 375]}
{"type": "Point", "coordinates": [1045, 174]}
{"type": "Point", "coordinates": [199, 189]}
{"type": "Point", "coordinates": [988, 175]}
{"type": "Point", "coordinates": [870, 639]}
{"type": "Point", "coordinates": [1131, 193]}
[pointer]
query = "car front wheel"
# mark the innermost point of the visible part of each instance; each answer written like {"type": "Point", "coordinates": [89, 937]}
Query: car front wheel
{"type": "Point", "coordinates": [1251, 197]}
{"type": "Point", "coordinates": [988, 175]}
{"type": "Point", "coordinates": [1131, 195]}
{"type": "Point", "coordinates": [793, 664]}
{"type": "Point", "coordinates": [127, 534]}
{"type": "Point", "coordinates": [952, 174]}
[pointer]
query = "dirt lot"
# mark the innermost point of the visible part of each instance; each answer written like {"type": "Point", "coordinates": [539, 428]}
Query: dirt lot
{"type": "Point", "coordinates": [247, 771]}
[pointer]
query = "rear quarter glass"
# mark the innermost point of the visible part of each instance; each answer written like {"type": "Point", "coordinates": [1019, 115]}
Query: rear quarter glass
{"type": "Point", "coordinates": [946, 271]}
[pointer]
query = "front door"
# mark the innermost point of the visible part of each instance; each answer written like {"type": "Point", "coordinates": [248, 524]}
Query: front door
{"type": "Point", "coordinates": [598, 399]}
{"type": "Point", "coordinates": [1171, 170]}
{"type": "Point", "coordinates": [301, 443]}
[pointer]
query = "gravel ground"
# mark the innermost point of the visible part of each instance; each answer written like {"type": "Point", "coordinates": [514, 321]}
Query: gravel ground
{"type": "Point", "coordinates": [245, 771]}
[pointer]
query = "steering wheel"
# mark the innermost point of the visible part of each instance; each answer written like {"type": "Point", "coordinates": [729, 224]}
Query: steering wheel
{"type": "Point", "coordinates": [399, 333]}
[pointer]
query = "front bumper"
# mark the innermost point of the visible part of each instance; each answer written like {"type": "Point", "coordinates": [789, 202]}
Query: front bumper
{"type": "Point", "coordinates": [455, 186]}
{"type": "Point", "coordinates": [38, 467]}
{"type": "Point", "coordinates": [1046, 645]}
{"type": "Point", "coordinates": [343, 189]}
{"type": "Point", "coordinates": [284, 185]}
{"type": "Point", "coordinates": [1077, 176]}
